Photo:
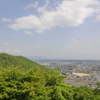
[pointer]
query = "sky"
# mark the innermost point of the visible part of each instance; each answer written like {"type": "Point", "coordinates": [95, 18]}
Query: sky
{"type": "Point", "coordinates": [54, 29]}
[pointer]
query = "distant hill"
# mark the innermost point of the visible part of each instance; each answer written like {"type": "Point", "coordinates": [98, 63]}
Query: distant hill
{"type": "Point", "coordinates": [7, 60]}
{"type": "Point", "coordinates": [57, 60]}
{"type": "Point", "coordinates": [36, 58]}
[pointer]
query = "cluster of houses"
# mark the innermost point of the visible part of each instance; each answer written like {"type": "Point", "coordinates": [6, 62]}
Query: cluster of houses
{"type": "Point", "coordinates": [75, 77]}
{"type": "Point", "coordinates": [78, 77]}
{"type": "Point", "coordinates": [66, 72]}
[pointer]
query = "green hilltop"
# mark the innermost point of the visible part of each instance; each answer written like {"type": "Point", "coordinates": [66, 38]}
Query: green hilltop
{"type": "Point", "coordinates": [7, 60]}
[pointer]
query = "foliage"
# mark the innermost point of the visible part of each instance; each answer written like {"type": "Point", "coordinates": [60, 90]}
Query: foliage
{"type": "Point", "coordinates": [36, 83]}
{"type": "Point", "coordinates": [7, 60]}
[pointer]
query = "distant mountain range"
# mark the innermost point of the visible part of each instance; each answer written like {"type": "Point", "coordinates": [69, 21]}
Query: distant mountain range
{"type": "Point", "coordinates": [37, 58]}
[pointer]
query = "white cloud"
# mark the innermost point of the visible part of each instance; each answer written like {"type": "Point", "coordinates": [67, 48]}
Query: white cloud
{"type": "Point", "coordinates": [66, 13]}
{"type": "Point", "coordinates": [42, 9]}
{"type": "Point", "coordinates": [12, 51]}
{"type": "Point", "coordinates": [74, 40]}
{"type": "Point", "coordinates": [98, 18]}
{"type": "Point", "coordinates": [28, 32]}
{"type": "Point", "coordinates": [6, 20]}
{"type": "Point", "coordinates": [5, 43]}
{"type": "Point", "coordinates": [35, 4]}
{"type": "Point", "coordinates": [83, 49]}
{"type": "Point", "coordinates": [16, 51]}
{"type": "Point", "coordinates": [6, 50]}
{"type": "Point", "coordinates": [13, 36]}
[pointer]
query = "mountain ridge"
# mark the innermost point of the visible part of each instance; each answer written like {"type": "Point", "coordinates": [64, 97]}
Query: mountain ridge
{"type": "Point", "coordinates": [7, 60]}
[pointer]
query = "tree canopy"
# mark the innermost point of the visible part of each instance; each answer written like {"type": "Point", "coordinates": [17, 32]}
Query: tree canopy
{"type": "Point", "coordinates": [35, 83]}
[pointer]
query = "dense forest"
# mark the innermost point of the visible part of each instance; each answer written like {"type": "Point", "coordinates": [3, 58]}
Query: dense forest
{"type": "Point", "coordinates": [23, 79]}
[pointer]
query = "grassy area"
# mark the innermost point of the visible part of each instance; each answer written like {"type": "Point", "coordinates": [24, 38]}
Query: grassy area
{"type": "Point", "coordinates": [87, 72]}
{"type": "Point", "coordinates": [82, 74]}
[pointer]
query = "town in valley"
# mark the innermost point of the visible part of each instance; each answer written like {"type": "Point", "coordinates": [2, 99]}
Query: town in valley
{"type": "Point", "coordinates": [78, 72]}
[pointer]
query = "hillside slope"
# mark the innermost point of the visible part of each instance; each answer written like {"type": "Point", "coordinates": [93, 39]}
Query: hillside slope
{"type": "Point", "coordinates": [7, 60]}
{"type": "Point", "coordinates": [34, 83]}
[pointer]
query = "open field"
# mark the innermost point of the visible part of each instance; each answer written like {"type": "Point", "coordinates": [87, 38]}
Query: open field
{"type": "Point", "coordinates": [82, 71]}
{"type": "Point", "coordinates": [82, 74]}
{"type": "Point", "coordinates": [76, 82]}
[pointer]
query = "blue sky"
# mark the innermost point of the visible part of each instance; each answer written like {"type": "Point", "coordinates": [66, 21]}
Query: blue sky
{"type": "Point", "coordinates": [56, 29]}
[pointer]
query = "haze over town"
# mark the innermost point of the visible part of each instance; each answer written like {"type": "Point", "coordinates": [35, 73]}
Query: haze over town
{"type": "Point", "coordinates": [54, 29]}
